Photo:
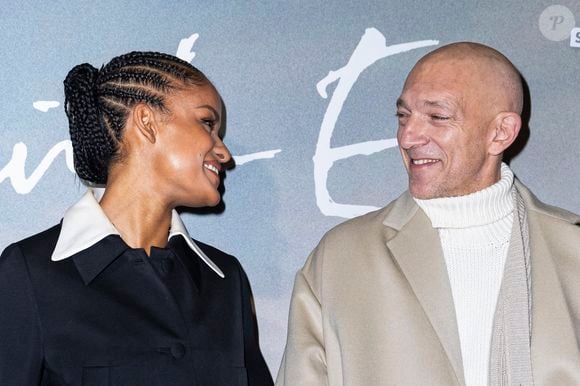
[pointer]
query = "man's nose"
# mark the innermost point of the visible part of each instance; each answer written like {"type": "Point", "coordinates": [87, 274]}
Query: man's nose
{"type": "Point", "coordinates": [411, 133]}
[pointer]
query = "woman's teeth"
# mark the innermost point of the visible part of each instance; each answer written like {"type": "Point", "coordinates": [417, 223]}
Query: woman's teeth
{"type": "Point", "coordinates": [212, 168]}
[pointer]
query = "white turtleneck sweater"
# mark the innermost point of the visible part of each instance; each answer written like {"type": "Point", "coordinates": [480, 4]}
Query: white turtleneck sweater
{"type": "Point", "coordinates": [475, 232]}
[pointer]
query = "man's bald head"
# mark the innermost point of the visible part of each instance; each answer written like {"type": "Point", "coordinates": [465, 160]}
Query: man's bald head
{"type": "Point", "coordinates": [459, 110]}
{"type": "Point", "coordinates": [488, 68]}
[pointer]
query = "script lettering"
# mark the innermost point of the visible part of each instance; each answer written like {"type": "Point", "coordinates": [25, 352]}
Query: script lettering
{"type": "Point", "coordinates": [371, 48]}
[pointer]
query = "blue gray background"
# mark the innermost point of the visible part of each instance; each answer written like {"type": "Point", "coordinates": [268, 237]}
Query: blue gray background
{"type": "Point", "coordinates": [266, 59]}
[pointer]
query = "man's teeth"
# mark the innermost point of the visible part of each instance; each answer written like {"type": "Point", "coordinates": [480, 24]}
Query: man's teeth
{"type": "Point", "coordinates": [212, 168]}
{"type": "Point", "coordinates": [423, 161]}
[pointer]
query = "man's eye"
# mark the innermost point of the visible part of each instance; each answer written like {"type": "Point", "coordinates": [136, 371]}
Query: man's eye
{"type": "Point", "coordinates": [400, 114]}
{"type": "Point", "coordinates": [439, 117]}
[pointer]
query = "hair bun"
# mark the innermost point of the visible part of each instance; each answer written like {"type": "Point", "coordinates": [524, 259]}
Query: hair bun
{"type": "Point", "coordinates": [84, 74]}
{"type": "Point", "coordinates": [92, 147]}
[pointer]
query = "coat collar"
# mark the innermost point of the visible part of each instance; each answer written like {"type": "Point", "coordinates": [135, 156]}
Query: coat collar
{"type": "Point", "coordinates": [553, 248]}
{"type": "Point", "coordinates": [534, 204]}
{"type": "Point", "coordinates": [85, 225]}
{"type": "Point", "coordinates": [423, 265]}
{"type": "Point", "coordinates": [404, 208]}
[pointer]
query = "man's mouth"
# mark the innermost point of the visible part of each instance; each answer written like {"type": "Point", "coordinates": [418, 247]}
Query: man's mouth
{"type": "Point", "coordinates": [212, 167]}
{"type": "Point", "coordinates": [423, 161]}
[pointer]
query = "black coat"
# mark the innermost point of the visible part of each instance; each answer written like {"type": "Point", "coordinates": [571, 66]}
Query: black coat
{"type": "Point", "coordinates": [111, 315]}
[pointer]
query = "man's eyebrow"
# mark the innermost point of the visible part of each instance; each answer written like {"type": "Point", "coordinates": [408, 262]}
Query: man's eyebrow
{"type": "Point", "coordinates": [401, 103]}
{"type": "Point", "coordinates": [214, 111]}
{"type": "Point", "coordinates": [440, 104]}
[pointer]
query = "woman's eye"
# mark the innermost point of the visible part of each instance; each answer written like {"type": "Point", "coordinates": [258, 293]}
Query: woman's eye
{"type": "Point", "coordinates": [208, 123]}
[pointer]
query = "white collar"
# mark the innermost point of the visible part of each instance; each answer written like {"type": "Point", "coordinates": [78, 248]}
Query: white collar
{"type": "Point", "coordinates": [483, 207]}
{"type": "Point", "coordinates": [84, 224]}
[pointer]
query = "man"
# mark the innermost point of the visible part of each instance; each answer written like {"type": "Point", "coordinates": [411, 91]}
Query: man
{"type": "Point", "coordinates": [466, 278]}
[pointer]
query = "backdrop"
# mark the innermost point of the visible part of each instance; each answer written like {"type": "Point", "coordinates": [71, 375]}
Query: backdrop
{"type": "Point", "coordinates": [310, 90]}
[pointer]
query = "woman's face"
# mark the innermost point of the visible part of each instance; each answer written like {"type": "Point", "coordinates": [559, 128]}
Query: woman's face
{"type": "Point", "coordinates": [191, 151]}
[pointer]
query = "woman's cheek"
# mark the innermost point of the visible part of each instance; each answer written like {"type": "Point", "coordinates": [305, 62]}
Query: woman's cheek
{"type": "Point", "coordinates": [181, 161]}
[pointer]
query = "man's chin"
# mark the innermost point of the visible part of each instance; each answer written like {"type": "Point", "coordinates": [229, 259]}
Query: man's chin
{"type": "Point", "coordinates": [422, 192]}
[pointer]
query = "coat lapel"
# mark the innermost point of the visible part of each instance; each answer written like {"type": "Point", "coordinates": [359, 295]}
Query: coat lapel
{"type": "Point", "coordinates": [554, 347]}
{"type": "Point", "coordinates": [554, 342]}
{"type": "Point", "coordinates": [417, 248]}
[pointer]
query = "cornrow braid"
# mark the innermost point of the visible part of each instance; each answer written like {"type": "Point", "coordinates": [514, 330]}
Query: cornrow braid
{"type": "Point", "coordinates": [143, 77]}
{"type": "Point", "coordinates": [152, 60]}
{"type": "Point", "coordinates": [131, 95]}
{"type": "Point", "coordinates": [98, 103]}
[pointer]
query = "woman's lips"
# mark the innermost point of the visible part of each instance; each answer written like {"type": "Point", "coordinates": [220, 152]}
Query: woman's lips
{"type": "Point", "coordinates": [212, 166]}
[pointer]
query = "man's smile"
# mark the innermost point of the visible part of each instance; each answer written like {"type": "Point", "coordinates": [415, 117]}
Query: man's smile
{"type": "Point", "coordinates": [423, 161]}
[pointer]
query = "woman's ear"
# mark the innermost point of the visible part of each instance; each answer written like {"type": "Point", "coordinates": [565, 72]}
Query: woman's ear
{"type": "Point", "coordinates": [505, 130]}
{"type": "Point", "coordinates": [145, 121]}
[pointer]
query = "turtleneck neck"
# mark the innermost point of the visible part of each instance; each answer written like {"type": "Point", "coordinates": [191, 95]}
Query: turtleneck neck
{"type": "Point", "coordinates": [475, 232]}
{"type": "Point", "coordinates": [476, 209]}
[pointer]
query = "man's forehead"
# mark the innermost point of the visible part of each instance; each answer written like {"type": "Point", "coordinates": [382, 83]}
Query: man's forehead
{"type": "Point", "coordinates": [444, 81]}
{"type": "Point", "coordinates": [479, 72]}
{"type": "Point", "coordinates": [430, 96]}
{"type": "Point", "coordinates": [446, 69]}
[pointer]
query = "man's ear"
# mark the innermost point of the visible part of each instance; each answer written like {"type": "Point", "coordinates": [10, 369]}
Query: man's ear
{"type": "Point", "coordinates": [145, 121]}
{"type": "Point", "coordinates": [505, 129]}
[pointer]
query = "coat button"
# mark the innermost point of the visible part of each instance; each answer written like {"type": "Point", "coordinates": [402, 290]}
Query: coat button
{"type": "Point", "coordinates": [178, 350]}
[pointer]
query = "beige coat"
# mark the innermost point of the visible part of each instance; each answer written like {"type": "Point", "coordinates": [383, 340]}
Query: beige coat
{"type": "Point", "coordinates": [373, 305]}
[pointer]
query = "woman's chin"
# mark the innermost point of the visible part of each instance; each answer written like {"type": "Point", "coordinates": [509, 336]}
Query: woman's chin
{"type": "Point", "coordinates": [210, 200]}
{"type": "Point", "coordinates": [199, 196]}
{"type": "Point", "coordinates": [216, 201]}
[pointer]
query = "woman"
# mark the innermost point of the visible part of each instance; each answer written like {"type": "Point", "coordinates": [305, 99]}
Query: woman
{"type": "Point", "coordinates": [118, 293]}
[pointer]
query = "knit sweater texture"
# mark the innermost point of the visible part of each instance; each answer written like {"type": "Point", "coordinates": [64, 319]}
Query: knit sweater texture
{"type": "Point", "coordinates": [475, 232]}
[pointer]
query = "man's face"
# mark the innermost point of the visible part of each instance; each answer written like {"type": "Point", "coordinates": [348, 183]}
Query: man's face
{"type": "Point", "coordinates": [443, 130]}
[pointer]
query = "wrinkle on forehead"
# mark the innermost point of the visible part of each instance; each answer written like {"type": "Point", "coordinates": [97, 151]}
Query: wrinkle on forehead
{"type": "Point", "coordinates": [427, 87]}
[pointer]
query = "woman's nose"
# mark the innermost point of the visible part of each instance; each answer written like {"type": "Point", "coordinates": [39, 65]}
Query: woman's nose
{"type": "Point", "coordinates": [221, 151]}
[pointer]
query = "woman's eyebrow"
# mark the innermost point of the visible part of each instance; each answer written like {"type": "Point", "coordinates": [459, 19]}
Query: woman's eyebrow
{"type": "Point", "coordinates": [214, 111]}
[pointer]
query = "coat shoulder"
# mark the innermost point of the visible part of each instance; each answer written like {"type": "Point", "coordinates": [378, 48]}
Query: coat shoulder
{"type": "Point", "coordinates": [39, 244]}
{"type": "Point", "coordinates": [393, 215]}
{"type": "Point", "coordinates": [359, 238]}
{"type": "Point", "coordinates": [533, 204]}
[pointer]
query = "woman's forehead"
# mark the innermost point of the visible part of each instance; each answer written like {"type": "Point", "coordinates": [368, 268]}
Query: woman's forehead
{"type": "Point", "coordinates": [196, 96]}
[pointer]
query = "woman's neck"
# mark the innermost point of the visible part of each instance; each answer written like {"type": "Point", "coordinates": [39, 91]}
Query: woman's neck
{"type": "Point", "coordinates": [141, 217]}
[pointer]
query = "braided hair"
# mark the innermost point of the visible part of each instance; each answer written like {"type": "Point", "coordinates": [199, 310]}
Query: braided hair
{"type": "Point", "coordinates": [98, 103]}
